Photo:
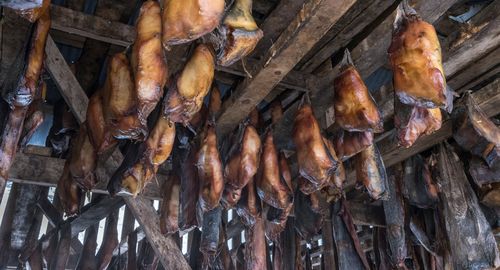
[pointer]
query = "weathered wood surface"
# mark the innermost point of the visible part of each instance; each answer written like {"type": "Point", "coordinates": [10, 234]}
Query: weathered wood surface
{"type": "Point", "coordinates": [68, 86]}
{"type": "Point", "coordinates": [312, 23]}
{"type": "Point", "coordinates": [167, 250]}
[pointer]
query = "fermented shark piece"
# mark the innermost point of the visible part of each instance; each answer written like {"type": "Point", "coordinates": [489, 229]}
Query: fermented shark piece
{"type": "Point", "coordinates": [148, 62]}
{"type": "Point", "coordinates": [491, 197]}
{"type": "Point", "coordinates": [418, 187]}
{"type": "Point", "coordinates": [338, 177]}
{"type": "Point", "coordinates": [244, 158]}
{"type": "Point", "coordinates": [239, 33]}
{"type": "Point", "coordinates": [482, 174]}
{"type": "Point", "coordinates": [476, 133]}
{"type": "Point", "coordinates": [348, 144]}
{"type": "Point", "coordinates": [32, 14]}
{"type": "Point", "coordinates": [186, 92]}
{"type": "Point", "coordinates": [60, 259]}
{"type": "Point", "coordinates": [463, 217]}
{"type": "Point", "coordinates": [347, 243]}
{"type": "Point", "coordinates": [316, 163]}
{"type": "Point", "coordinates": [210, 172]}
{"type": "Point", "coordinates": [87, 259]}
{"type": "Point", "coordinates": [99, 133]}
{"type": "Point", "coordinates": [156, 150]}
{"type": "Point", "coordinates": [69, 193]}
{"type": "Point", "coordinates": [169, 212]}
{"type": "Point", "coordinates": [34, 116]}
{"type": "Point", "coordinates": [109, 242]}
{"type": "Point", "coordinates": [131, 253]}
{"type": "Point", "coordinates": [187, 20]}
{"type": "Point", "coordinates": [83, 160]}
{"type": "Point", "coordinates": [271, 187]}
{"type": "Point", "coordinates": [29, 81]}
{"type": "Point", "coordinates": [120, 101]}
{"type": "Point", "coordinates": [276, 217]}
{"type": "Point", "coordinates": [370, 173]}
{"type": "Point", "coordinates": [249, 206]}
{"type": "Point", "coordinates": [412, 122]}
{"type": "Point", "coordinates": [24, 213]}
{"type": "Point", "coordinates": [415, 58]}
{"type": "Point", "coordinates": [394, 211]}
{"type": "Point", "coordinates": [380, 249]}
{"type": "Point", "coordinates": [190, 187]}
{"type": "Point", "coordinates": [9, 141]}
{"type": "Point", "coordinates": [355, 109]}
{"type": "Point", "coordinates": [210, 235]}
{"type": "Point", "coordinates": [308, 220]}
{"type": "Point", "coordinates": [256, 246]}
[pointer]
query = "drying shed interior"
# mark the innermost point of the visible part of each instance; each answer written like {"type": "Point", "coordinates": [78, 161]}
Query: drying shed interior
{"type": "Point", "coordinates": [420, 194]}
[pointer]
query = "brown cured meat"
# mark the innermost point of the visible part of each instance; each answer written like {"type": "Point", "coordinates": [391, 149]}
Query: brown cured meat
{"type": "Point", "coordinates": [394, 211]}
{"type": "Point", "coordinates": [276, 218]}
{"type": "Point", "coordinates": [249, 206]}
{"type": "Point", "coordinates": [187, 20]}
{"type": "Point", "coordinates": [415, 57]}
{"type": "Point", "coordinates": [83, 161]}
{"type": "Point", "coordinates": [308, 220]}
{"type": "Point", "coordinates": [338, 177]}
{"type": "Point", "coordinates": [120, 101]}
{"type": "Point", "coordinates": [186, 92]}
{"type": "Point", "coordinates": [9, 141]}
{"type": "Point", "coordinates": [69, 193]}
{"type": "Point", "coordinates": [355, 109]}
{"type": "Point", "coordinates": [491, 196]}
{"type": "Point", "coordinates": [33, 14]}
{"type": "Point", "coordinates": [412, 122]}
{"type": "Point", "coordinates": [157, 149]}
{"type": "Point", "coordinates": [34, 116]}
{"type": "Point", "coordinates": [169, 212]}
{"type": "Point", "coordinates": [370, 173]}
{"type": "Point", "coordinates": [109, 242]}
{"type": "Point", "coordinates": [29, 81]}
{"type": "Point", "coordinates": [418, 187]}
{"type": "Point", "coordinates": [190, 187]}
{"type": "Point", "coordinates": [348, 144]}
{"type": "Point", "coordinates": [271, 187]}
{"type": "Point", "coordinates": [476, 133]}
{"type": "Point", "coordinates": [348, 257]}
{"type": "Point", "coordinates": [210, 236]}
{"type": "Point", "coordinates": [316, 163]}
{"type": "Point", "coordinates": [99, 132]}
{"type": "Point", "coordinates": [256, 246]}
{"type": "Point", "coordinates": [463, 217]}
{"type": "Point", "coordinates": [148, 62]}
{"type": "Point", "coordinates": [239, 33]}
{"type": "Point", "coordinates": [243, 164]}
{"type": "Point", "coordinates": [210, 172]}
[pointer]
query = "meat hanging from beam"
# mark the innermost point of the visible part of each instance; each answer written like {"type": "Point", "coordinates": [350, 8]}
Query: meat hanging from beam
{"type": "Point", "coordinates": [34, 116]}
{"type": "Point", "coordinates": [415, 57]}
{"type": "Point", "coordinates": [238, 34]}
{"type": "Point", "coordinates": [185, 21]}
{"type": "Point", "coordinates": [371, 174]}
{"type": "Point", "coordinates": [169, 211]}
{"type": "Point", "coordinates": [355, 109]}
{"type": "Point", "coordinates": [33, 14]}
{"type": "Point", "coordinates": [148, 61]}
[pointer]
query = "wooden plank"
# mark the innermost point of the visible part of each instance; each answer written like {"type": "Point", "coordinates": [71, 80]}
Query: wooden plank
{"type": "Point", "coordinates": [45, 171]}
{"type": "Point", "coordinates": [312, 23]}
{"type": "Point", "coordinates": [66, 82]}
{"type": "Point", "coordinates": [359, 20]}
{"type": "Point", "coordinates": [165, 248]}
{"type": "Point", "coordinates": [75, 22]}
{"type": "Point", "coordinates": [70, 24]}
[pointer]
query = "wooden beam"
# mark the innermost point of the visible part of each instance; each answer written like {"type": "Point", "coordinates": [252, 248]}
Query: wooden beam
{"type": "Point", "coordinates": [68, 86]}
{"type": "Point", "coordinates": [71, 24]}
{"type": "Point", "coordinates": [45, 171]}
{"type": "Point", "coordinates": [310, 25]}
{"type": "Point", "coordinates": [361, 18]}
{"type": "Point", "coordinates": [165, 248]}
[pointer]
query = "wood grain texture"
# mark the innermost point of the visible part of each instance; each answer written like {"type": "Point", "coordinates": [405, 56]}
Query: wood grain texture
{"type": "Point", "coordinates": [313, 22]}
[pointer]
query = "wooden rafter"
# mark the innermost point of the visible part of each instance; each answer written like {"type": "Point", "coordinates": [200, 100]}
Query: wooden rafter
{"type": "Point", "coordinates": [313, 22]}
